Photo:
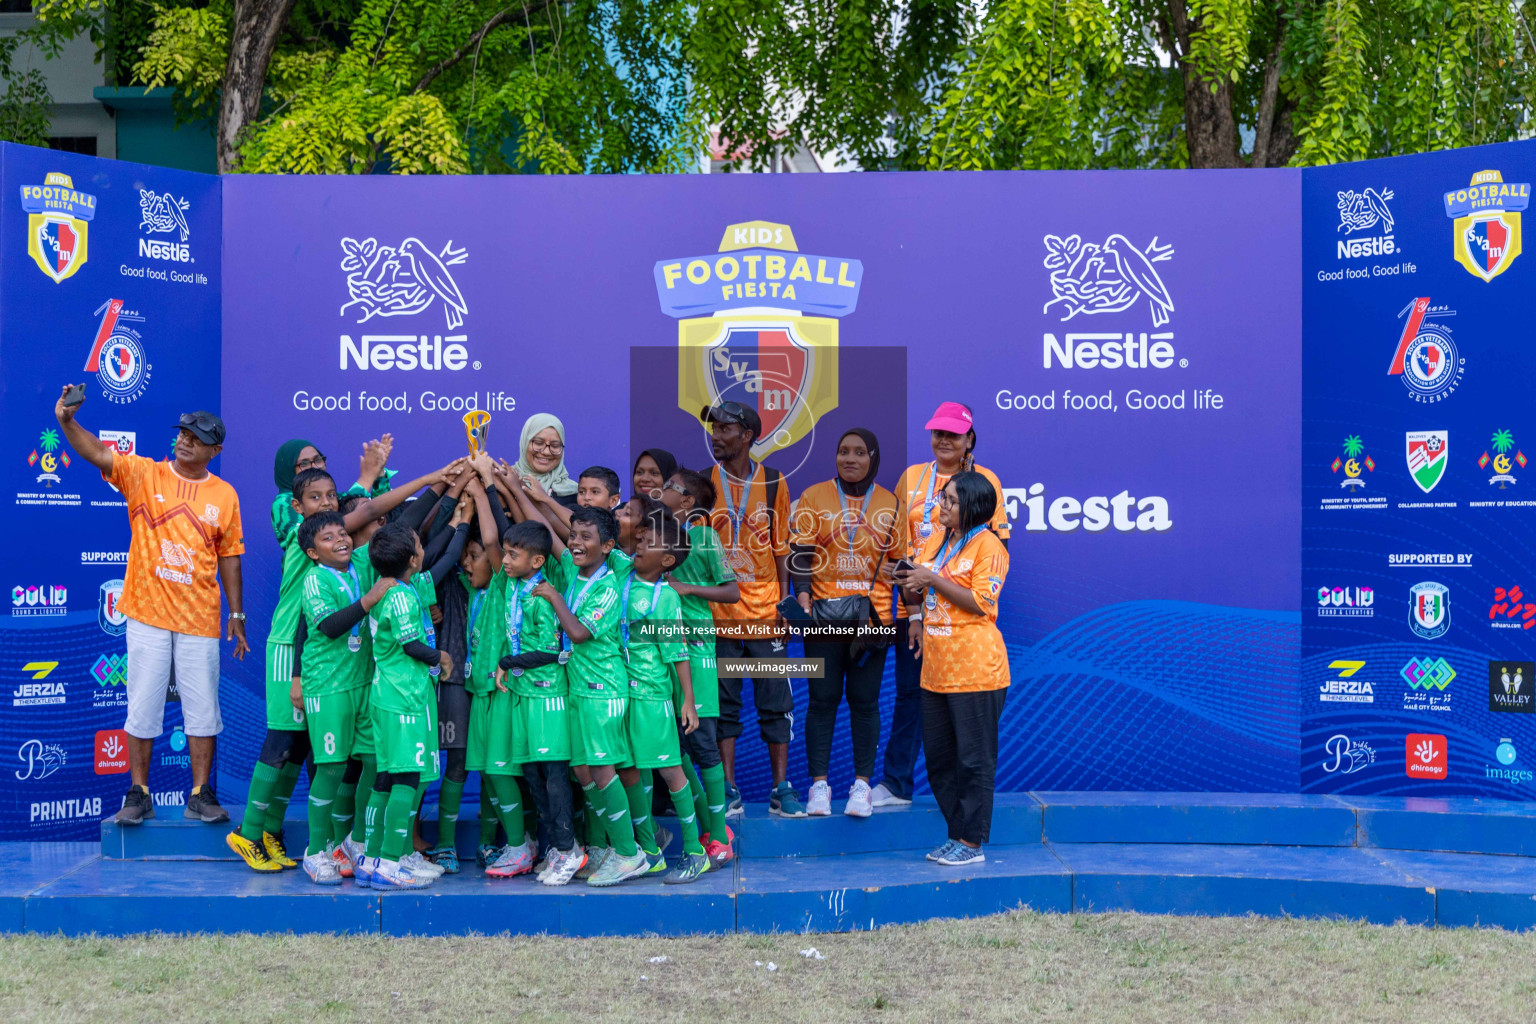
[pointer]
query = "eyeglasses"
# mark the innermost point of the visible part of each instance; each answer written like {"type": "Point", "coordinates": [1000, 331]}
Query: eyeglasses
{"type": "Point", "coordinates": [673, 485]}
{"type": "Point", "coordinates": [947, 501]}
{"type": "Point", "coordinates": [318, 462]}
{"type": "Point", "coordinates": [551, 447]}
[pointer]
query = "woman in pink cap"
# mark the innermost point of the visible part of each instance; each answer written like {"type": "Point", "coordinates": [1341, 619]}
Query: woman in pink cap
{"type": "Point", "coordinates": [918, 492]}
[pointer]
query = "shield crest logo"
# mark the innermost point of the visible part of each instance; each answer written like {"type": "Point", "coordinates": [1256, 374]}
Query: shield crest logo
{"type": "Point", "coordinates": [784, 367]}
{"type": "Point", "coordinates": [1428, 455]}
{"type": "Point", "coordinates": [108, 616]}
{"type": "Point", "coordinates": [1487, 243]}
{"type": "Point", "coordinates": [56, 243]}
{"type": "Point", "coordinates": [1429, 609]}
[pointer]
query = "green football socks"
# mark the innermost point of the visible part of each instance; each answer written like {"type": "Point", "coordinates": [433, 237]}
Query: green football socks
{"type": "Point", "coordinates": [264, 779]}
{"type": "Point", "coordinates": [614, 807]}
{"type": "Point", "coordinates": [374, 823]}
{"type": "Point", "coordinates": [687, 818]}
{"type": "Point", "coordinates": [508, 801]}
{"type": "Point", "coordinates": [322, 795]}
{"type": "Point", "coordinates": [714, 793]}
{"type": "Point", "coordinates": [277, 807]}
{"type": "Point", "coordinates": [449, 798]}
{"type": "Point", "coordinates": [638, 797]}
{"type": "Point", "coordinates": [365, 787]}
{"type": "Point", "coordinates": [398, 811]}
{"type": "Point", "coordinates": [488, 819]}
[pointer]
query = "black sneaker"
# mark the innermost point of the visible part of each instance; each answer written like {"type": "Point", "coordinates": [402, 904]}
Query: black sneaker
{"type": "Point", "coordinates": [203, 805]}
{"type": "Point", "coordinates": [137, 807]}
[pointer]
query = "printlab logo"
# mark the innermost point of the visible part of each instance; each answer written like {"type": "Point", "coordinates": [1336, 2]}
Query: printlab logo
{"type": "Point", "coordinates": [1510, 685]}
{"type": "Point", "coordinates": [1486, 216]}
{"type": "Point", "coordinates": [1428, 453]}
{"type": "Point", "coordinates": [1361, 211]}
{"type": "Point", "coordinates": [1429, 609]}
{"type": "Point", "coordinates": [1503, 466]}
{"type": "Point", "coordinates": [1510, 604]}
{"type": "Point", "coordinates": [57, 215]}
{"type": "Point", "coordinates": [1426, 756]}
{"type": "Point", "coordinates": [1345, 689]}
{"type": "Point", "coordinates": [1505, 754]}
{"type": "Point", "coordinates": [773, 359]}
{"type": "Point", "coordinates": [52, 459]}
{"type": "Point", "coordinates": [39, 602]}
{"type": "Point", "coordinates": [1351, 461]}
{"type": "Point", "coordinates": [38, 760]}
{"type": "Point", "coordinates": [41, 690]}
{"type": "Point", "coordinates": [1345, 757]}
{"type": "Point", "coordinates": [1426, 356]}
{"type": "Point", "coordinates": [117, 354]}
{"type": "Point", "coordinates": [1346, 602]}
{"type": "Point", "coordinates": [108, 616]}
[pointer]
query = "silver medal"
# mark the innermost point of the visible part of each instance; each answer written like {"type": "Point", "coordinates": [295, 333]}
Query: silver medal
{"type": "Point", "coordinates": [354, 643]}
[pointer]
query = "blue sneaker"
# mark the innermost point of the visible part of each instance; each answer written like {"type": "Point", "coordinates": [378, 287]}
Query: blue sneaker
{"type": "Point", "coordinates": [362, 871]}
{"type": "Point", "coordinates": [785, 802]}
{"type": "Point", "coordinates": [959, 854]}
{"type": "Point", "coordinates": [446, 858]}
{"type": "Point", "coordinates": [487, 855]}
{"type": "Point", "coordinates": [398, 876]}
{"type": "Point", "coordinates": [734, 808]}
{"type": "Point", "coordinates": [940, 850]}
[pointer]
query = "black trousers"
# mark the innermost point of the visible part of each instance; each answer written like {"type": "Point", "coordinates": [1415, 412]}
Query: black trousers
{"type": "Point", "coordinates": [862, 686]}
{"type": "Point", "coordinates": [550, 785]}
{"type": "Point", "coordinates": [774, 699]}
{"type": "Point", "coordinates": [960, 744]}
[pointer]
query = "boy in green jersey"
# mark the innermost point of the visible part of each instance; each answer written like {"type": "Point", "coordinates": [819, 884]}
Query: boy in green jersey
{"type": "Point", "coordinates": [659, 667]}
{"type": "Point", "coordinates": [258, 840]}
{"type": "Point", "coordinates": [335, 665]}
{"type": "Point", "coordinates": [703, 578]}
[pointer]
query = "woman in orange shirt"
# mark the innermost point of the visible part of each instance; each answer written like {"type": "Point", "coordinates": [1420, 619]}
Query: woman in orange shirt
{"type": "Point", "coordinates": [965, 664]}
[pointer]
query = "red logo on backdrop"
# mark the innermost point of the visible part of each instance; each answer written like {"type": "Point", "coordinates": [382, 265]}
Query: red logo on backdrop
{"type": "Point", "coordinates": [111, 752]}
{"type": "Point", "coordinates": [1426, 755]}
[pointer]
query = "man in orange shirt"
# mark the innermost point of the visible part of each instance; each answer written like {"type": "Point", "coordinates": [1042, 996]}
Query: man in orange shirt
{"type": "Point", "coordinates": [751, 515]}
{"type": "Point", "coordinates": [186, 539]}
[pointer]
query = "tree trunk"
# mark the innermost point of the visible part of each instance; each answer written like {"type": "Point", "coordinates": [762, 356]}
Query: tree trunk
{"type": "Point", "coordinates": [1210, 130]}
{"type": "Point", "coordinates": [253, 31]}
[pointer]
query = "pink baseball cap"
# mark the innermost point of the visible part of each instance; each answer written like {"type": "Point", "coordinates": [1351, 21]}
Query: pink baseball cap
{"type": "Point", "coordinates": [950, 416]}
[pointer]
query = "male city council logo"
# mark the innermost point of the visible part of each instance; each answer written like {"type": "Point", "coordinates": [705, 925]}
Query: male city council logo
{"type": "Point", "coordinates": [1351, 462]}
{"type": "Point", "coordinates": [57, 215]}
{"type": "Point", "coordinates": [1428, 455]}
{"type": "Point", "coordinates": [402, 280]}
{"type": "Point", "coordinates": [1429, 609]}
{"type": "Point", "coordinates": [117, 356]}
{"type": "Point", "coordinates": [1502, 442]}
{"type": "Point", "coordinates": [744, 333]}
{"type": "Point", "coordinates": [1485, 236]}
{"type": "Point", "coordinates": [1426, 356]}
{"type": "Point", "coordinates": [1106, 277]}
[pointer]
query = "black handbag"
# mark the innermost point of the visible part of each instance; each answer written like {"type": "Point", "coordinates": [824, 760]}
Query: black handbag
{"type": "Point", "coordinates": [856, 610]}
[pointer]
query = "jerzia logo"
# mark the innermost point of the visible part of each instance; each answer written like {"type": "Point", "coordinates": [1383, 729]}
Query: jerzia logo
{"type": "Point", "coordinates": [1425, 356]}
{"type": "Point", "coordinates": [1428, 455]}
{"type": "Point", "coordinates": [1361, 211]}
{"type": "Point", "coordinates": [1353, 459]}
{"type": "Point", "coordinates": [1503, 464]}
{"type": "Point", "coordinates": [403, 280]}
{"type": "Point", "coordinates": [57, 215]}
{"type": "Point", "coordinates": [1092, 278]}
{"type": "Point", "coordinates": [772, 359]}
{"type": "Point", "coordinates": [1486, 235]}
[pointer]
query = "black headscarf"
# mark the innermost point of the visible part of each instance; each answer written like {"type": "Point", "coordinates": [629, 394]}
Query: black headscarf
{"type": "Point", "coordinates": [665, 461]}
{"type": "Point", "coordinates": [858, 490]}
{"type": "Point", "coordinates": [282, 469]}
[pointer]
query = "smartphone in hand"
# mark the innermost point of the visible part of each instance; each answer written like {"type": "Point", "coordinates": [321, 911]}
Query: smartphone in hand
{"type": "Point", "coordinates": [74, 396]}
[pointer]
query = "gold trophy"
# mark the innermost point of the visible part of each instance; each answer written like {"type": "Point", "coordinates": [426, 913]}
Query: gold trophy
{"type": "Point", "coordinates": [477, 428]}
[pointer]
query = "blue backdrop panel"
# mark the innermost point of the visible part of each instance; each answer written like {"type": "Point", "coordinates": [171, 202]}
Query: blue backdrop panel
{"type": "Point", "coordinates": [1419, 609]}
{"type": "Point", "coordinates": [127, 255]}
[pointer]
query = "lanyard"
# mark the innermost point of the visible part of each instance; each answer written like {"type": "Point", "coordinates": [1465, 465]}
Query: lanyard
{"type": "Point", "coordinates": [931, 474]}
{"type": "Point", "coordinates": [515, 611]}
{"type": "Point", "coordinates": [946, 553]}
{"type": "Point", "coordinates": [469, 630]}
{"type": "Point", "coordinates": [354, 593]}
{"type": "Point", "coordinates": [737, 514]}
{"type": "Point", "coordinates": [426, 628]}
{"type": "Point", "coordinates": [851, 526]}
{"type": "Point", "coordinates": [570, 592]}
{"type": "Point", "coordinates": [624, 614]}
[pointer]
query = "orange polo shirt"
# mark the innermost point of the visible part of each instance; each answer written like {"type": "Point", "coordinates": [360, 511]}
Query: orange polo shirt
{"type": "Point", "coordinates": [824, 518]}
{"type": "Point", "coordinates": [963, 652]}
{"type": "Point", "coordinates": [180, 530]}
{"type": "Point", "coordinates": [912, 492]}
{"type": "Point", "coordinates": [764, 537]}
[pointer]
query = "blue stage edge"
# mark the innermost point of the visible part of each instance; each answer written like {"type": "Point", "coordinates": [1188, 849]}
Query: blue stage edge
{"type": "Point", "coordinates": [1424, 861]}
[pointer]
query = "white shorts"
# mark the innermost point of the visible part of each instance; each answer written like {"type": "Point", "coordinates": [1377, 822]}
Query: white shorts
{"type": "Point", "coordinates": [151, 651]}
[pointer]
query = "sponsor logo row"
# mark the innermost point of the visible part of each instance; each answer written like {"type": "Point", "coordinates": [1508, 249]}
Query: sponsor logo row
{"type": "Point", "coordinates": [1427, 456]}
{"type": "Point", "coordinates": [1426, 757]}
{"type": "Point", "coordinates": [1426, 682]}
{"type": "Point", "coordinates": [38, 759]}
{"type": "Point", "coordinates": [1429, 611]}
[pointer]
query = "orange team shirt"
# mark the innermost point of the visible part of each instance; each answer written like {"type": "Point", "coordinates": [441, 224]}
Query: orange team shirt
{"type": "Point", "coordinates": [843, 567]}
{"type": "Point", "coordinates": [764, 536]}
{"type": "Point", "coordinates": [912, 494]}
{"type": "Point", "coordinates": [964, 652]}
{"type": "Point", "coordinates": [181, 528]}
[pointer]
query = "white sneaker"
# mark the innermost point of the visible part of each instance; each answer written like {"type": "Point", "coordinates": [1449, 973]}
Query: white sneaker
{"type": "Point", "coordinates": [389, 874]}
{"type": "Point", "coordinates": [353, 850]}
{"type": "Point", "coordinates": [419, 865]}
{"type": "Point", "coordinates": [321, 868]}
{"type": "Point", "coordinates": [819, 803]}
{"type": "Point", "coordinates": [859, 805]}
{"type": "Point", "coordinates": [882, 797]}
{"type": "Point", "coordinates": [563, 866]}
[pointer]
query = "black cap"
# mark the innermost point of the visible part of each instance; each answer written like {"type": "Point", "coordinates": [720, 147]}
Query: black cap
{"type": "Point", "coordinates": [204, 425]}
{"type": "Point", "coordinates": [734, 412]}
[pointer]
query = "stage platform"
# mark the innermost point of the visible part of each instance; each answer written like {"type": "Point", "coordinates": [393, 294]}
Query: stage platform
{"type": "Point", "coordinates": [1424, 861]}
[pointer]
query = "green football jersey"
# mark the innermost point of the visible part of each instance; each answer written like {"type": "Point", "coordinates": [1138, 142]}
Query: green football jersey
{"type": "Point", "coordinates": [400, 682]}
{"type": "Point", "coordinates": [650, 661]}
{"type": "Point", "coordinates": [333, 666]}
{"type": "Point", "coordinates": [483, 618]}
{"type": "Point", "coordinates": [532, 620]}
{"type": "Point", "coordinates": [285, 526]}
{"type": "Point", "coordinates": [704, 566]}
{"type": "Point", "coordinates": [596, 668]}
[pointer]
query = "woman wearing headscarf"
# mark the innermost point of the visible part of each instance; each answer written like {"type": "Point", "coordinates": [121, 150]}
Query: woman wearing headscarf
{"type": "Point", "coordinates": [653, 469]}
{"type": "Point", "coordinates": [541, 457]}
{"type": "Point", "coordinates": [841, 533]}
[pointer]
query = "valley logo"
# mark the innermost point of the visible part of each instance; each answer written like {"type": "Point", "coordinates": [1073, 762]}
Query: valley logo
{"type": "Point", "coordinates": [1511, 685]}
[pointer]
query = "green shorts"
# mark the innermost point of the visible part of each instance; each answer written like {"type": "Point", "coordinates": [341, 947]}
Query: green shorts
{"type": "Point", "coordinates": [706, 681]}
{"type": "Point", "coordinates": [434, 769]}
{"type": "Point", "coordinates": [597, 730]}
{"type": "Point", "coordinates": [652, 729]}
{"type": "Point", "coordinates": [405, 743]}
{"type": "Point", "coordinates": [334, 721]}
{"type": "Point", "coordinates": [281, 714]}
{"type": "Point", "coordinates": [477, 735]}
{"type": "Point", "coordinates": [501, 734]}
{"type": "Point", "coordinates": [543, 730]}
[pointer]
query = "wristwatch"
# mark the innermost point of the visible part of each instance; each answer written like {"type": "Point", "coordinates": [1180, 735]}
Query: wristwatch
{"type": "Point", "coordinates": [237, 615]}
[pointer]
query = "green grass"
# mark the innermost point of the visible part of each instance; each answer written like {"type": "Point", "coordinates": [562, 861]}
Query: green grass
{"type": "Point", "coordinates": [1086, 969]}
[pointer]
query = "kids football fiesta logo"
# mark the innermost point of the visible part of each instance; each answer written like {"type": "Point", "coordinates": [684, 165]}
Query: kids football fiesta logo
{"type": "Point", "coordinates": [741, 333]}
{"type": "Point", "coordinates": [57, 215]}
{"type": "Point", "coordinates": [1486, 214]}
